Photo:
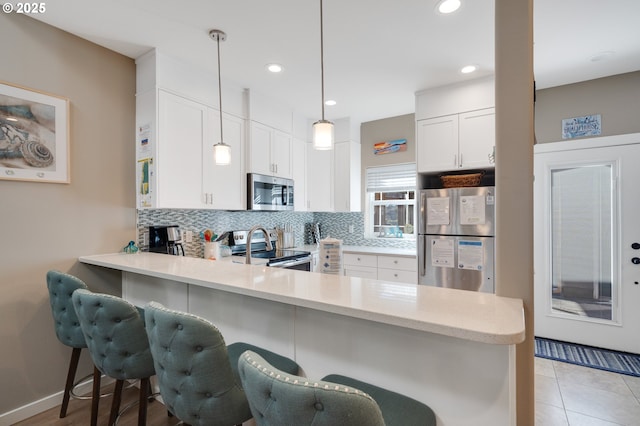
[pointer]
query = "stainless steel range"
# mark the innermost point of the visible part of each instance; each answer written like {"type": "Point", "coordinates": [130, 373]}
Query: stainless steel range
{"type": "Point", "coordinates": [277, 257]}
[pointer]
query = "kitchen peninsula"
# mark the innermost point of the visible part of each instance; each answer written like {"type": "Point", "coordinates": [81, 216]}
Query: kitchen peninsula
{"type": "Point", "coordinates": [452, 349]}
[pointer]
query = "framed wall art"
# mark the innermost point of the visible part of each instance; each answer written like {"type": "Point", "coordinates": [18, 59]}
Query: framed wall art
{"type": "Point", "coordinates": [34, 135]}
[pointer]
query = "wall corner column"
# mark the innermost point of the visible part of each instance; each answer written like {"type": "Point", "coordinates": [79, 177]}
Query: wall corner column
{"type": "Point", "coordinates": [514, 180]}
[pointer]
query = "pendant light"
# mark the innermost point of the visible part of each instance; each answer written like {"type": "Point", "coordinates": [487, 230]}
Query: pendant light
{"type": "Point", "coordinates": [221, 151]}
{"type": "Point", "coordinates": [322, 129]}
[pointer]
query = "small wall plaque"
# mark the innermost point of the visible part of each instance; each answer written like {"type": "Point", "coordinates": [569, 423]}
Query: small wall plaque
{"type": "Point", "coordinates": [578, 127]}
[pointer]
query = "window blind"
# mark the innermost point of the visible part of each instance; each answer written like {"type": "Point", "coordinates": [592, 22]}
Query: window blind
{"type": "Point", "coordinates": [398, 177]}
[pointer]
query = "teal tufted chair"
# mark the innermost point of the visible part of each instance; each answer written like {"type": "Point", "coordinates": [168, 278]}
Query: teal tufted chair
{"type": "Point", "coordinates": [118, 344]}
{"type": "Point", "coordinates": [67, 327]}
{"type": "Point", "coordinates": [280, 399]}
{"type": "Point", "coordinates": [195, 370]}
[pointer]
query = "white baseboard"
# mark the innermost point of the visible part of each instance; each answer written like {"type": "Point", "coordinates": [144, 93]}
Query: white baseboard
{"type": "Point", "coordinates": [46, 403]}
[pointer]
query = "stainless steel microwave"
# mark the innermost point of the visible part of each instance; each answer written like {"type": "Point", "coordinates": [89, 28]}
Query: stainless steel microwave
{"type": "Point", "coordinates": [269, 193]}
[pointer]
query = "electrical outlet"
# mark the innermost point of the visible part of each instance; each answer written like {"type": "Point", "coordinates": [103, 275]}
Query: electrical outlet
{"type": "Point", "coordinates": [189, 237]}
{"type": "Point", "coordinates": [145, 238]}
{"type": "Point", "coordinates": [351, 229]}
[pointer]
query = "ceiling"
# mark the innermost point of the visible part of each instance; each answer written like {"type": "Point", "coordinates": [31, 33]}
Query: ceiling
{"type": "Point", "coordinates": [377, 54]}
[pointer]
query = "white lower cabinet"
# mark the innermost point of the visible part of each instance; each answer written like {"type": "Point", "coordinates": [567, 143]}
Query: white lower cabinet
{"type": "Point", "coordinates": [360, 265]}
{"type": "Point", "coordinates": [382, 267]}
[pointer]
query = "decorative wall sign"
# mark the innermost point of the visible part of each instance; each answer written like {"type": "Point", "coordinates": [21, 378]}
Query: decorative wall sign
{"type": "Point", "coordinates": [389, 147]}
{"type": "Point", "coordinates": [578, 127]}
{"type": "Point", "coordinates": [34, 135]}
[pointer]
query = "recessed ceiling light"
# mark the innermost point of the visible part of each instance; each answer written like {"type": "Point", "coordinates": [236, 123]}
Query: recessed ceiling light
{"type": "Point", "coordinates": [448, 6]}
{"type": "Point", "coordinates": [275, 68]}
{"type": "Point", "coordinates": [330, 102]}
{"type": "Point", "coordinates": [469, 69]}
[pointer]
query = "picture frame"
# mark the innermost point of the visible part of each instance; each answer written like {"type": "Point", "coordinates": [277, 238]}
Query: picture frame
{"type": "Point", "coordinates": [34, 135]}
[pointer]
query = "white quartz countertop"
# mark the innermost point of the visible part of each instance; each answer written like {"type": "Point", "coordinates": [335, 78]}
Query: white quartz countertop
{"type": "Point", "coordinates": [461, 314]}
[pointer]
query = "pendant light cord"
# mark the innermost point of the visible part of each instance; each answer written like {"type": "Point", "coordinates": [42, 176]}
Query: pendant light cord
{"type": "Point", "coordinates": [322, 59]}
{"type": "Point", "coordinates": [220, 88]}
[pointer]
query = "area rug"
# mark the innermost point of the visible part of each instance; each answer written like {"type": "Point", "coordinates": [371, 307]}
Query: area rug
{"type": "Point", "coordinates": [602, 359]}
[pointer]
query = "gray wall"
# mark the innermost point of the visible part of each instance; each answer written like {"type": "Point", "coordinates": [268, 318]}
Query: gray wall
{"type": "Point", "coordinates": [616, 98]}
{"type": "Point", "coordinates": [47, 226]}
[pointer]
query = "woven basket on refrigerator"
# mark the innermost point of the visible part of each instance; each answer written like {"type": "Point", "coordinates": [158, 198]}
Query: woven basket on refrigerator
{"type": "Point", "coordinates": [459, 181]}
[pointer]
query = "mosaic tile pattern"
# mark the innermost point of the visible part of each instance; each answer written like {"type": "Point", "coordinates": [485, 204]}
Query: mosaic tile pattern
{"type": "Point", "coordinates": [335, 225]}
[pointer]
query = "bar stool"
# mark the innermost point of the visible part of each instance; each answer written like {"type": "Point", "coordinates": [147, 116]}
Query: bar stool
{"type": "Point", "coordinates": [277, 398]}
{"type": "Point", "coordinates": [67, 327]}
{"type": "Point", "coordinates": [115, 335]}
{"type": "Point", "coordinates": [195, 370]}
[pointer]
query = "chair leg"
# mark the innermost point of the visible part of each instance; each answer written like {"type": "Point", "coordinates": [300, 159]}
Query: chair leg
{"type": "Point", "coordinates": [144, 400]}
{"type": "Point", "coordinates": [95, 396]}
{"type": "Point", "coordinates": [115, 404]}
{"type": "Point", "coordinates": [71, 375]}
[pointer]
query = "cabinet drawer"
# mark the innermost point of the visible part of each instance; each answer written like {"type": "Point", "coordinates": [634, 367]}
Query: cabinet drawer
{"type": "Point", "coordinates": [398, 262]}
{"type": "Point", "coordinates": [360, 259]}
{"type": "Point", "coordinates": [398, 276]}
{"type": "Point", "coordinates": [361, 271]}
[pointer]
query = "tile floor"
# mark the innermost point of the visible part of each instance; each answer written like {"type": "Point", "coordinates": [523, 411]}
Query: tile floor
{"type": "Point", "coordinates": [570, 395]}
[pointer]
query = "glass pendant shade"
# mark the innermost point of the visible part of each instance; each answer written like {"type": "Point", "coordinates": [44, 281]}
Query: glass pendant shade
{"type": "Point", "coordinates": [222, 154]}
{"type": "Point", "coordinates": [323, 135]}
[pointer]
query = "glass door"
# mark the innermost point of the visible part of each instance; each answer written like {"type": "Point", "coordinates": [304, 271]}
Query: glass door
{"type": "Point", "coordinates": [586, 244]}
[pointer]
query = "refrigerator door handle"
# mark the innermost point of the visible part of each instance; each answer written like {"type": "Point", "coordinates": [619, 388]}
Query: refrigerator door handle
{"type": "Point", "coordinates": [422, 255]}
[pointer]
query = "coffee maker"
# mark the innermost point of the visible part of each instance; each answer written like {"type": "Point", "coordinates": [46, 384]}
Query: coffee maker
{"type": "Point", "coordinates": [165, 239]}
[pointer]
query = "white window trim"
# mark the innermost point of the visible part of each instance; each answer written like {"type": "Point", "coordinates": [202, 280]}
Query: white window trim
{"type": "Point", "coordinates": [375, 181]}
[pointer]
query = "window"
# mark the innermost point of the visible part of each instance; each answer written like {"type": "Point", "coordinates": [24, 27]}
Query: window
{"type": "Point", "coordinates": [391, 201]}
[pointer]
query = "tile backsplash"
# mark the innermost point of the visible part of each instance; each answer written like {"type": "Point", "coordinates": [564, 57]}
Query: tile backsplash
{"type": "Point", "coordinates": [335, 225]}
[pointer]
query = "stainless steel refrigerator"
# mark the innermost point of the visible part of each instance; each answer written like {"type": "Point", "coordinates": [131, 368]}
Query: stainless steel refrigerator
{"type": "Point", "coordinates": [456, 230]}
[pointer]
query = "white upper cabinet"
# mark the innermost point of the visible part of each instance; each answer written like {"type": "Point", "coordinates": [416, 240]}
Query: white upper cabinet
{"type": "Point", "coordinates": [182, 129]}
{"type": "Point", "coordinates": [176, 130]}
{"type": "Point", "coordinates": [225, 186]}
{"type": "Point", "coordinates": [333, 176]}
{"type": "Point", "coordinates": [299, 174]}
{"type": "Point", "coordinates": [457, 141]}
{"type": "Point", "coordinates": [320, 178]}
{"type": "Point", "coordinates": [347, 168]}
{"type": "Point", "coordinates": [270, 136]}
{"type": "Point", "coordinates": [187, 176]}
{"type": "Point", "coordinates": [437, 144]}
{"type": "Point", "coordinates": [455, 126]}
{"type": "Point", "coordinates": [477, 138]}
{"type": "Point", "coordinates": [270, 151]}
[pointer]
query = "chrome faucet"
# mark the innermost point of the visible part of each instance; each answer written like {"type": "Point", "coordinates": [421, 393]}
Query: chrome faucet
{"type": "Point", "coordinates": [250, 236]}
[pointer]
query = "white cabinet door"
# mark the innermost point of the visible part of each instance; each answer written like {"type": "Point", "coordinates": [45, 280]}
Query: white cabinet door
{"type": "Point", "coordinates": [281, 154]}
{"type": "Point", "coordinates": [269, 151]}
{"type": "Point", "coordinates": [319, 180]}
{"type": "Point", "coordinates": [225, 186]}
{"type": "Point", "coordinates": [458, 141]}
{"type": "Point", "coordinates": [299, 174]}
{"type": "Point", "coordinates": [437, 140]}
{"type": "Point", "coordinates": [260, 149]}
{"type": "Point", "coordinates": [398, 276]}
{"type": "Point", "coordinates": [181, 131]}
{"type": "Point", "coordinates": [347, 173]}
{"type": "Point", "coordinates": [477, 138]}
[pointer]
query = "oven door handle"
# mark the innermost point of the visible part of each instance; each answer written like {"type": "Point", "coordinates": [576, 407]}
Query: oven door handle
{"type": "Point", "coordinates": [290, 263]}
